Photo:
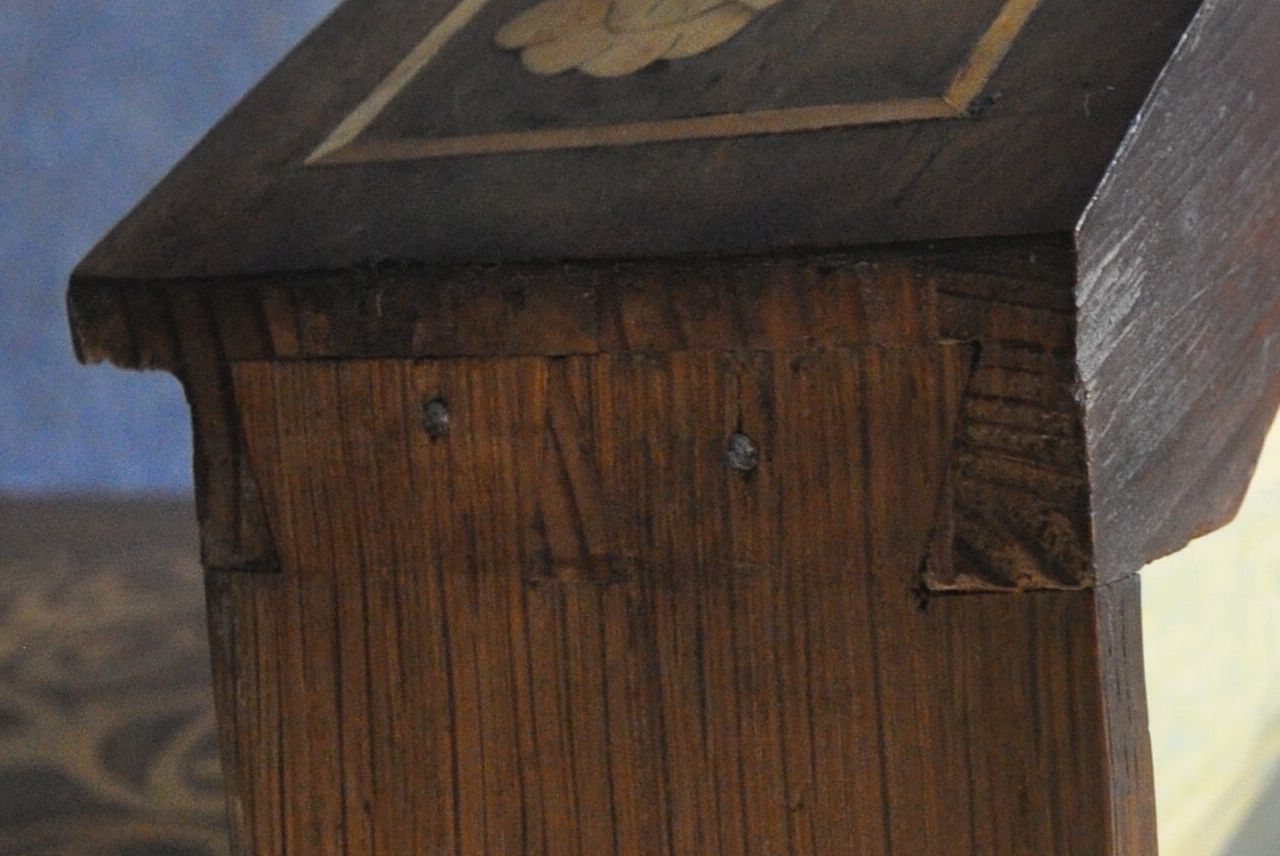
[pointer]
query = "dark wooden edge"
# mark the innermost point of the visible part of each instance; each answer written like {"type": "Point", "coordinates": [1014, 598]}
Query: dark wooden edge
{"type": "Point", "coordinates": [1015, 511]}
{"type": "Point", "coordinates": [1179, 295]}
{"type": "Point", "coordinates": [223, 626]}
{"type": "Point", "coordinates": [1131, 779]}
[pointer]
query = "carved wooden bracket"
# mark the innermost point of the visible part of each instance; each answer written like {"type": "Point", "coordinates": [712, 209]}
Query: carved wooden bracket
{"type": "Point", "coordinates": [178, 330]}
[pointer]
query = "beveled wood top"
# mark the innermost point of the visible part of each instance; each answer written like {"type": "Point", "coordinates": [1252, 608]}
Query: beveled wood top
{"type": "Point", "coordinates": [448, 131]}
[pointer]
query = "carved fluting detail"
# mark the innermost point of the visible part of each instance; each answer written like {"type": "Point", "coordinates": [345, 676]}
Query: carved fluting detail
{"type": "Point", "coordinates": [1019, 490]}
{"type": "Point", "coordinates": [1015, 512]}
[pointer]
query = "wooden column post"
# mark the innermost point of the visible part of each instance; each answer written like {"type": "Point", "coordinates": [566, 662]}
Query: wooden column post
{"type": "Point", "coordinates": [558, 497]}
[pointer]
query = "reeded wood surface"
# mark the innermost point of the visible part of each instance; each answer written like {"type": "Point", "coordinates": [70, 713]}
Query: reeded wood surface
{"type": "Point", "coordinates": [568, 627]}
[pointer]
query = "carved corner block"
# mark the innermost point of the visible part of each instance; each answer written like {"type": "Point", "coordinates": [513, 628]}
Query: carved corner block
{"type": "Point", "coordinates": [177, 330]}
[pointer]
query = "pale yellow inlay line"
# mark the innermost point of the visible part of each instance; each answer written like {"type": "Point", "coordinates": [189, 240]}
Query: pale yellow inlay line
{"type": "Point", "coordinates": [400, 77]}
{"type": "Point", "coordinates": [726, 125]}
{"type": "Point", "coordinates": [342, 147]}
{"type": "Point", "coordinates": [990, 51]}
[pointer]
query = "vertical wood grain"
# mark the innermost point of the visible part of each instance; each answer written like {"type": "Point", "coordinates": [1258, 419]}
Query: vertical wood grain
{"type": "Point", "coordinates": [568, 627]}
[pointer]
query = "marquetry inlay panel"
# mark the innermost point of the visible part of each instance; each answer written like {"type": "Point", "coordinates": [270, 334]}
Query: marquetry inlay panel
{"type": "Point", "coordinates": [674, 70]}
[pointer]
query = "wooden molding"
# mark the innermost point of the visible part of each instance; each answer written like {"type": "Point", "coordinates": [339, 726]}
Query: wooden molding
{"type": "Point", "coordinates": [1014, 512]}
{"type": "Point", "coordinates": [180, 331]}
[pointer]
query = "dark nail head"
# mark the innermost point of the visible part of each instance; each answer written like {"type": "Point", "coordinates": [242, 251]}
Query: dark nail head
{"type": "Point", "coordinates": [435, 418]}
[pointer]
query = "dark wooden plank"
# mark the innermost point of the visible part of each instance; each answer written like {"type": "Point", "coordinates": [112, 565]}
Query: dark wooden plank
{"type": "Point", "coordinates": [1180, 294]}
{"type": "Point", "coordinates": [973, 124]}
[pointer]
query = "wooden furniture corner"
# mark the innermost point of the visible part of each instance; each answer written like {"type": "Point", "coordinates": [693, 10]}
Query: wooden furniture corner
{"type": "Point", "coordinates": [736, 487]}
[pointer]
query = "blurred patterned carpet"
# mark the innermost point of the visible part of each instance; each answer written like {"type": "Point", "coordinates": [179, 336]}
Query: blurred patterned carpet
{"type": "Point", "coordinates": [107, 740]}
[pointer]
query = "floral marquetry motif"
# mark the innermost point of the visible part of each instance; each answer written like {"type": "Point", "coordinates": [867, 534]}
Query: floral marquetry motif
{"type": "Point", "coordinates": [614, 39]}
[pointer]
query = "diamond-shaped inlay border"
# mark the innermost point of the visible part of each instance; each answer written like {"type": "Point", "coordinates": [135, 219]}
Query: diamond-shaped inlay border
{"type": "Point", "coordinates": [344, 146]}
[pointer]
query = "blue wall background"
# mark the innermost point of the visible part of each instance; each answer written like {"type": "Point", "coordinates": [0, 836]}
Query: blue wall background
{"type": "Point", "coordinates": [98, 99]}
